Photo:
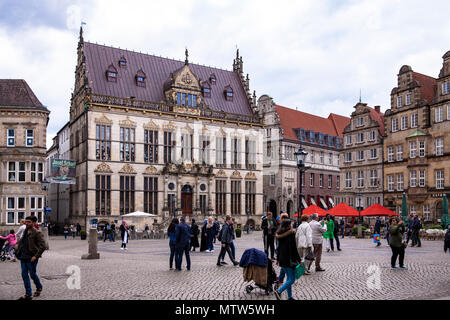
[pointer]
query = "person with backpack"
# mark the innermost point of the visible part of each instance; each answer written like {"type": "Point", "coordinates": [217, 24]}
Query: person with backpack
{"type": "Point", "coordinates": [9, 247]}
{"type": "Point", "coordinates": [29, 250]}
{"type": "Point", "coordinates": [226, 238]}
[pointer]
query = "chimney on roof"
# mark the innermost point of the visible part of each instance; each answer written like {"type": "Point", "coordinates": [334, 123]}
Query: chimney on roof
{"type": "Point", "coordinates": [377, 109]}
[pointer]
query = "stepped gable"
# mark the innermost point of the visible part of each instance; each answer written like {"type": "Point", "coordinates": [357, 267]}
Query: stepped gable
{"type": "Point", "coordinates": [158, 71]}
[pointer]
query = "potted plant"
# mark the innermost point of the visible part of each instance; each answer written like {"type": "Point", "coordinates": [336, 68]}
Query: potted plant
{"type": "Point", "coordinates": [238, 232]}
{"type": "Point", "coordinates": [83, 235]}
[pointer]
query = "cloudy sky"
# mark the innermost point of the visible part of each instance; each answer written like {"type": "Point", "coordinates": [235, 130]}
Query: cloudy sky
{"type": "Point", "coordinates": [314, 55]}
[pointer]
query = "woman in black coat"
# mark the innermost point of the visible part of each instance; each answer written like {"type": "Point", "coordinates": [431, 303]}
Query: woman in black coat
{"type": "Point", "coordinates": [203, 245]}
{"type": "Point", "coordinates": [194, 235]}
{"type": "Point", "coordinates": [288, 256]}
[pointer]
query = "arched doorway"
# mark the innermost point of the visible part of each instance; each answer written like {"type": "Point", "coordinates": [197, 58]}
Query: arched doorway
{"type": "Point", "coordinates": [186, 199]}
{"type": "Point", "coordinates": [289, 207]}
{"type": "Point", "coordinates": [273, 208]}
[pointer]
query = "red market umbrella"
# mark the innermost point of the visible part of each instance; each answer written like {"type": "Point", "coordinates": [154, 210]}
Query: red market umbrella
{"type": "Point", "coordinates": [377, 210]}
{"type": "Point", "coordinates": [313, 209]}
{"type": "Point", "coordinates": [343, 210]}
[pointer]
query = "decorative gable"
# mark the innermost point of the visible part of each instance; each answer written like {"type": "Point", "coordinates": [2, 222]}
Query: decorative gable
{"type": "Point", "coordinates": [127, 123]}
{"type": "Point", "coordinates": [103, 120]}
{"type": "Point", "coordinates": [151, 125]}
{"type": "Point", "coordinates": [151, 170]}
{"type": "Point", "coordinates": [127, 169]}
{"type": "Point", "coordinates": [103, 168]}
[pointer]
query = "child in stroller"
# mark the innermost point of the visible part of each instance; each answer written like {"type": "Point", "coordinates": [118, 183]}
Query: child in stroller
{"type": "Point", "coordinates": [3, 253]}
{"type": "Point", "coordinates": [259, 269]}
{"type": "Point", "coordinates": [9, 247]}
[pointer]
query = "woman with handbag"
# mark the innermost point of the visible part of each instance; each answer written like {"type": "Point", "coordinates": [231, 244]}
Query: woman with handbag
{"type": "Point", "coordinates": [303, 237]}
{"type": "Point", "coordinates": [396, 231]}
{"type": "Point", "coordinates": [288, 257]}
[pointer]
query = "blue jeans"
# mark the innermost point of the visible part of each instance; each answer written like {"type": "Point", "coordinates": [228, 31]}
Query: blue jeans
{"type": "Point", "coordinates": [30, 267]}
{"type": "Point", "coordinates": [179, 256]}
{"type": "Point", "coordinates": [290, 272]}
{"type": "Point", "coordinates": [172, 252]}
{"type": "Point", "coordinates": [209, 242]}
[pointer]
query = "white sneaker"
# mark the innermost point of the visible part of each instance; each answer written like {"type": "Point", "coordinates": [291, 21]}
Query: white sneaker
{"type": "Point", "coordinates": [121, 248]}
{"type": "Point", "coordinates": [208, 250]}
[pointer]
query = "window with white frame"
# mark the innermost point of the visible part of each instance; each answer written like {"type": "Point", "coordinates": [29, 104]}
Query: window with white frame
{"type": "Point", "coordinates": [348, 157]}
{"type": "Point", "coordinates": [421, 178]}
{"type": "Point", "coordinates": [11, 137]}
{"type": "Point", "coordinates": [399, 101]}
{"type": "Point", "coordinates": [312, 156]}
{"type": "Point", "coordinates": [400, 152]}
{"type": "Point", "coordinates": [16, 171]}
{"type": "Point", "coordinates": [439, 142]}
{"type": "Point", "coordinates": [360, 155]}
{"type": "Point", "coordinates": [348, 180]}
{"type": "Point", "coordinates": [413, 178]}
{"type": "Point", "coordinates": [321, 180]}
{"type": "Point", "coordinates": [360, 179]}
{"type": "Point", "coordinates": [373, 153]}
{"type": "Point", "coordinates": [37, 208]}
{"type": "Point", "coordinates": [373, 177]}
{"type": "Point", "coordinates": [439, 179]}
{"type": "Point", "coordinates": [311, 179]}
{"type": "Point", "coordinates": [360, 122]}
{"type": "Point", "coordinates": [338, 182]}
{"type": "Point", "coordinates": [400, 182]}
{"type": "Point", "coordinates": [422, 149]}
{"type": "Point", "coordinates": [372, 135]}
{"type": "Point", "coordinates": [426, 212]}
{"type": "Point", "coordinates": [448, 112]}
{"type": "Point", "coordinates": [351, 201]}
{"type": "Point", "coordinates": [338, 160]}
{"type": "Point", "coordinates": [446, 87]}
{"type": "Point", "coordinates": [330, 181]}
{"type": "Point", "coordinates": [408, 99]}
{"type": "Point", "coordinates": [413, 209]}
{"type": "Point", "coordinates": [395, 125]}
{"type": "Point", "coordinates": [330, 158]}
{"type": "Point", "coordinates": [414, 120]}
{"type": "Point", "coordinates": [37, 171]}
{"type": "Point", "coordinates": [272, 179]}
{"type": "Point", "coordinates": [30, 137]}
{"type": "Point", "coordinates": [390, 152]}
{"type": "Point", "coordinates": [412, 149]}
{"type": "Point", "coordinates": [439, 114]}
{"type": "Point", "coordinates": [348, 139]}
{"type": "Point", "coordinates": [360, 137]}
{"type": "Point", "coordinates": [404, 122]}
{"type": "Point", "coordinates": [321, 156]}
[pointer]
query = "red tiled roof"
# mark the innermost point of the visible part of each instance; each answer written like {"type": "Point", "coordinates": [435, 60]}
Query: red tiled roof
{"type": "Point", "coordinates": [17, 93]}
{"type": "Point", "coordinates": [378, 117]}
{"type": "Point", "coordinates": [427, 86]}
{"type": "Point", "coordinates": [291, 119]}
{"type": "Point", "coordinates": [158, 70]}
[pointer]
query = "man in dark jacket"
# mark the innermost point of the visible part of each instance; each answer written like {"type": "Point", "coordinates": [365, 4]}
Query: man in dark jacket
{"type": "Point", "coordinates": [182, 244]}
{"type": "Point", "coordinates": [410, 228]}
{"type": "Point", "coordinates": [269, 226]}
{"type": "Point", "coordinates": [216, 229]}
{"type": "Point", "coordinates": [417, 225]}
{"type": "Point", "coordinates": [377, 229]}
{"type": "Point", "coordinates": [226, 239]}
{"type": "Point", "coordinates": [28, 250]}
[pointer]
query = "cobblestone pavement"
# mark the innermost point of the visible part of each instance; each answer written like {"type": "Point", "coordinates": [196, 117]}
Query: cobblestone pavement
{"type": "Point", "coordinates": [143, 272]}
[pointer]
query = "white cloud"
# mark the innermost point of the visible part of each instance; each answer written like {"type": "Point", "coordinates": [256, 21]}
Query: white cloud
{"type": "Point", "coordinates": [315, 55]}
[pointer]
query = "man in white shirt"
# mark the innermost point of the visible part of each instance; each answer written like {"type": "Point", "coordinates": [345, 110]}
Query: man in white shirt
{"type": "Point", "coordinates": [22, 228]}
{"type": "Point", "coordinates": [303, 238]}
{"type": "Point", "coordinates": [317, 239]}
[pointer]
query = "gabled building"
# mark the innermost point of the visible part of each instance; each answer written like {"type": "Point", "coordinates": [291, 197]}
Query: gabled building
{"type": "Point", "coordinates": [416, 148]}
{"type": "Point", "coordinates": [362, 158]}
{"type": "Point", "coordinates": [285, 130]}
{"type": "Point", "coordinates": [162, 136]}
{"type": "Point", "coordinates": [23, 129]}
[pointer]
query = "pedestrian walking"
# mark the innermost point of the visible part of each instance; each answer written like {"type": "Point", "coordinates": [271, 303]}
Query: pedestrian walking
{"type": "Point", "coordinates": [73, 230]}
{"type": "Point", "coordinates": [194, 235]}
{"type": "Point", "coordinates": [329, 234]}
{"type": "Point", "coordinates": [386, 231]}
{"type": "Point", "coordinates": [107, 233]}
{"type": "Point", "coordinates": [288, 257]}
{"type": "Point", "coordinates": [377, 229]}
{"type": "Point", "coordinates": [226, 237]}
{"type": "Point", "coordinates": [335, 235]}
{"type": "Point", "coordinates": [396, 231]}
{"type": "Point", "coordinates": [183, 238]}
{"type": "Point", "coordinates": [22, 228]}
{"type": "Point", "coordinates": [209, 230]}
{"type": "Point", "coordinates": [269, 226]}
{"type": "Point", "coordinates": [317, 239]}
{"type": "Point", "coordinates": [409, 229]}
{"type": "Point", "coordinates": [216, 229]}
{"type": "Point", "coordinates": [447, 240]}
{"type": "Point", "coordinates": [9, 247]}
{"type": "Point", "coordinates": [303, 238]}
{"type": "Point", "coordinates": [232, 247]}
{"type": "Point", "coordinates": [203, 245]}
{"type": "Point", "coordinates": [66, 231]}
{"type": "Point", "coordinates": [417, 225]}
{"type": "Point", "coordinates": [78, 229]}
{"type": "Point", "coordinates": [172, 241]}
{"type": "Point", "coordinates": [125, 234]}
{"type": "Point", "coordinates": [113, 231]}
{"type": "Point", "coordinates": [342, 227]}
{"type": "Point", "coordinates": [28, 250]}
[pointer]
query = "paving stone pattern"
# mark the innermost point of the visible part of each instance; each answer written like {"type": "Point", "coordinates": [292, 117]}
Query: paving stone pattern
{"type": "Point", "coordinates": [143, 272]}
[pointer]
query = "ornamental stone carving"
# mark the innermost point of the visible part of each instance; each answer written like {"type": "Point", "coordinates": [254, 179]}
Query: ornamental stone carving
{"type": "Point", "coordinates": [170, 126]}
{"type": "Point", "coordinates": [221, 174]}
{"type": "Point", "coordinates": [151, 170]}
{"type": "Point", "coordinates": [236, 175]}
{"type": "Point", "coordinates": [103, 167]}
{"type": "Point", "coordinates": [189, 129]}
{"type": "Point", "coordinates": [127, 169]}
{"type": "Point", "coordinates": [250, 176]}
{"type": "Point", "coordinates": [103, 120]}
{"type": "Point", "coordinates": [127, 123]}
{"type": "Point", "coordinates": [151, 125]}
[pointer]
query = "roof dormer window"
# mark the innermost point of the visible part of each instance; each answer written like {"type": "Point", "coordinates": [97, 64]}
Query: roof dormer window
{"type": "Point", "coordinates": [212, 78]}
{"type": "Point", "coordinates": [140, 78]}
{"type": "Point", "coordinates": [111, 73]}
{"type": "Point", "coordinates": [228, 92]}
{"type": "Point", "coordinates": [206, 89]}
{"type": "Point", "coordinates": [122, 62]}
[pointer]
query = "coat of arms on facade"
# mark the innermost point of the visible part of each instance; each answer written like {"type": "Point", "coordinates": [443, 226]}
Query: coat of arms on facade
{"type": "Point", "coordinates": [128, 169]}
{"type": "Point", "coordinates": [186, 78]}
{"type": "Point", "coordinates": [103, 167]}
{"type": "Point", "coordinates": [151, 170]}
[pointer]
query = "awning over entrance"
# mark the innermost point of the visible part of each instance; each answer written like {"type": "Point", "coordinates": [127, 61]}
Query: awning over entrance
{"type": "Point", "coordinates": [313, 201]}
{"type": "Point", "coordinates": [305, 205]}
{"type": "Point", "coordinates": [322, 201]}
{"type": "Point", "coordinates": [331, 201]}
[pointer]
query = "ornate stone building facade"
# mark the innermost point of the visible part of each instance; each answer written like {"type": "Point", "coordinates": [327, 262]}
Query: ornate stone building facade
{"type": "Point", "coordinates": [417, 146]}
{"type": "Point", "coordinates": [285, 130]}
{"type": "Point", "coordinates": [362, 158]}
{"type": "Point", "coordinates": [164, 137]}
{"type": "Point", "coordinates": [23, 129]}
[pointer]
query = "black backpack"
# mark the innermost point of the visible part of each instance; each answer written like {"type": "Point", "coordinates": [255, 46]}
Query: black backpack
{"type": "Point", "coordinates": [219, 236]}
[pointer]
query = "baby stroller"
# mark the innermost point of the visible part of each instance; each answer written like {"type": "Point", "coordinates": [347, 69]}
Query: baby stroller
{"type": "Point", "coordinates": [262, 276]}
{"type": "Point", "coordinates": [3, 253]}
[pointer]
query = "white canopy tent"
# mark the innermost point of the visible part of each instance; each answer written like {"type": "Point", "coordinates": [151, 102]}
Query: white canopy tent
{"type": "Point", "coordinates": [139, 219]}
{"type": "Point", "coordinates": [139, 214]}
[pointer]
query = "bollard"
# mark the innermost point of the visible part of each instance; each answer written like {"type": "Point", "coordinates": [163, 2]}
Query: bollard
{"type": "Point", "coordinates": [44, 231]}
{"type": "Point", "coordinates": [92, 243]}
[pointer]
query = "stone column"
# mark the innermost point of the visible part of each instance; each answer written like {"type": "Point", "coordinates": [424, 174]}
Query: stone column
{"type": "Point", "coordinates": [93, 241]}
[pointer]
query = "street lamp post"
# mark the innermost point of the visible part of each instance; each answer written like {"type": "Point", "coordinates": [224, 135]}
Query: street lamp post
{"type": "Point", "coordinates": [300, 157]}
{"type": "Point", "coordinates": [359, 215]}
{"type": "Point", "coordinates": [45, 184]}
{"type": "Point", "coordinates": [248, 218]}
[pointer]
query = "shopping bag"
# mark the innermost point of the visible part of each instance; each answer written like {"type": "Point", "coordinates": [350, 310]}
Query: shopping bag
{"type": "Point", "coordinates": [299, 270]}
{"type": "Point", "coordinates": [376, 238]}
